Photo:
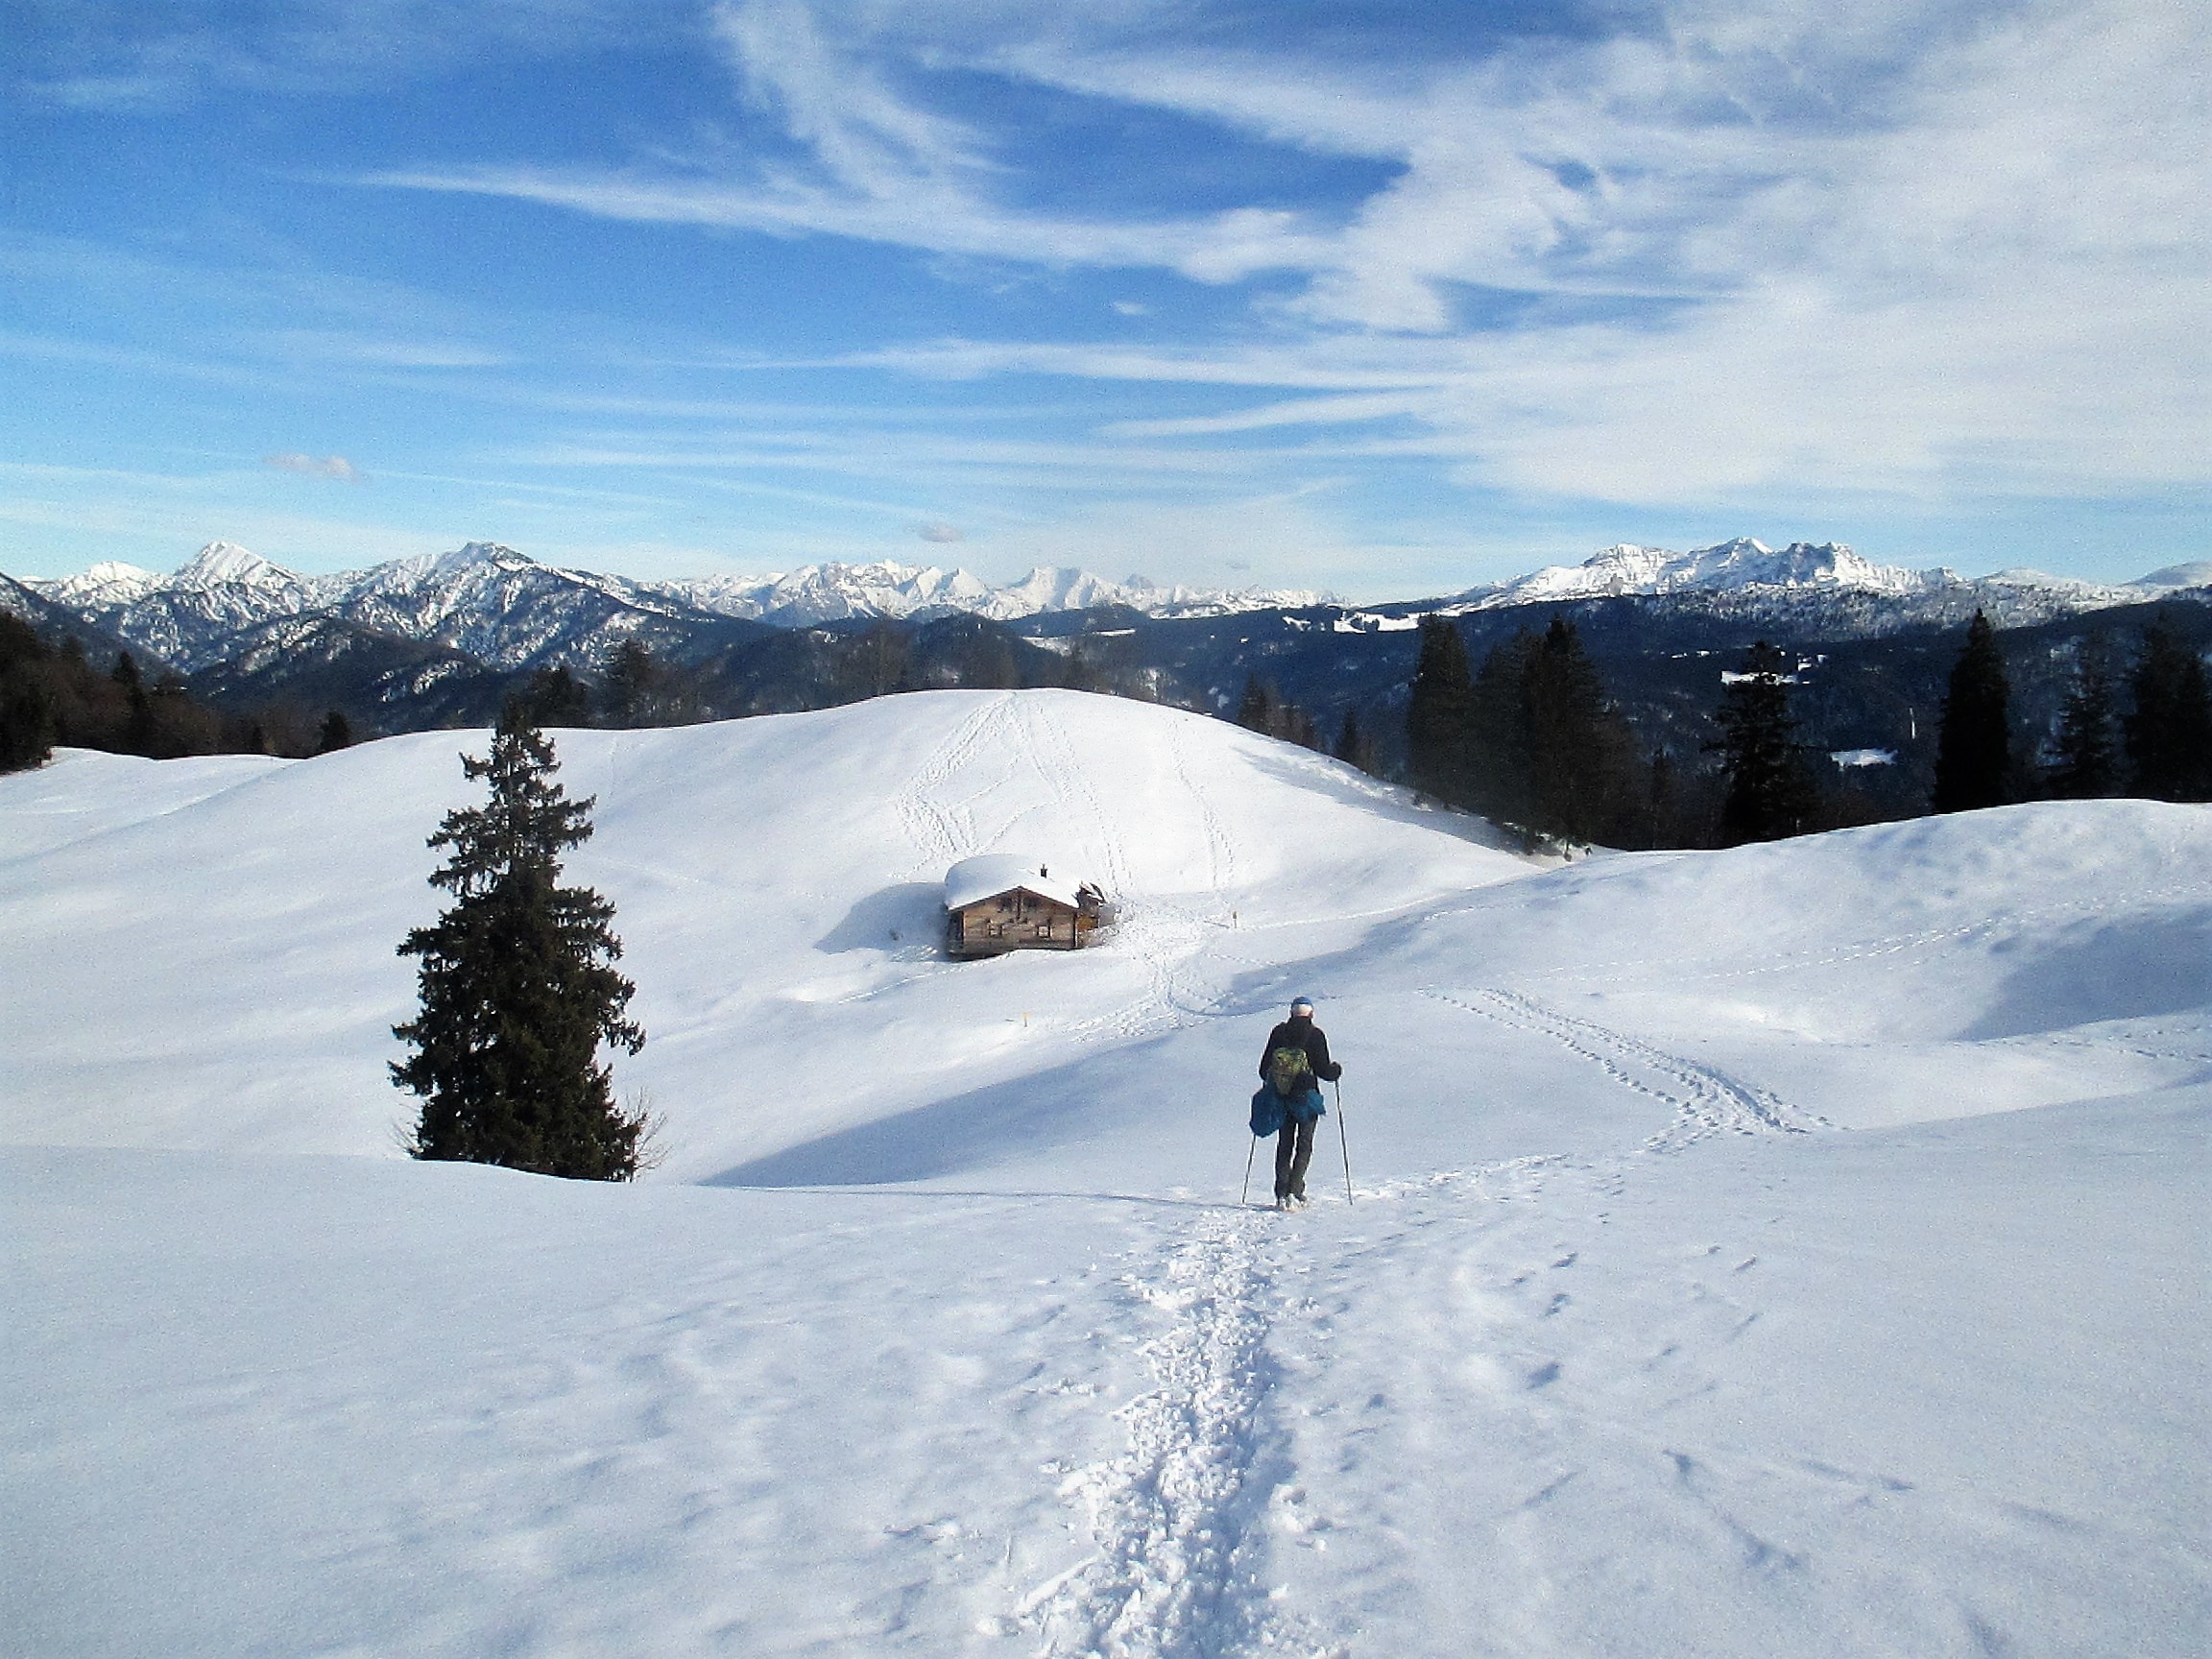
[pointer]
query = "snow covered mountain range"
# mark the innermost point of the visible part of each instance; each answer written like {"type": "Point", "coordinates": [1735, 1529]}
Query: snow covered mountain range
{"type": "Point", "coordinates": [509, 612]}
{"type": "Point", "coordinates": [1781, 580]}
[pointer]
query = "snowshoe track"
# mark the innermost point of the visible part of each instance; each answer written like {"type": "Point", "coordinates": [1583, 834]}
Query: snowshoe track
{"type": "Point", "coordinates": [1180, 1517]}
{"type": "Point", "coordinates": [1705, 1101]}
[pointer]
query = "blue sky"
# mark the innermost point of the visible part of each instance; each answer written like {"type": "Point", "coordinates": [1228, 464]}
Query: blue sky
{"type": "Point", "coordinates": [1388, 299]}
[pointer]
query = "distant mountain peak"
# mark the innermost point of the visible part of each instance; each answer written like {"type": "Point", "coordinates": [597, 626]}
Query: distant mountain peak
{"type": "Point", "coordinates": [221, 564]}
{"type": "Point", "coordinates": [1743, 562]}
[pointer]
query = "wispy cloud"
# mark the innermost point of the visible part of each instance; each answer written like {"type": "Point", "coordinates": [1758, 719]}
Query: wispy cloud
{"type": "Point", "coordinates": [1925, 245]}
{"type": "Point", "coordinates": [332, 466]}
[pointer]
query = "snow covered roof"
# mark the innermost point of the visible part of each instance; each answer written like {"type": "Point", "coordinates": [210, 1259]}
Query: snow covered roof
{"type": "Point", "coordinates": [988, 874]}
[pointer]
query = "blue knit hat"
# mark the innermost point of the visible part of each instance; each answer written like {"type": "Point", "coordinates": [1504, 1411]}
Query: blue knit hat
{"type": "Point", "coordinates": [1301, 1004]}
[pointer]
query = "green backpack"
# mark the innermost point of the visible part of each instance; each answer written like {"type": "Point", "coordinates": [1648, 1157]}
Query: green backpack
{"type": "Point", "coordinates": [1287, 1070]}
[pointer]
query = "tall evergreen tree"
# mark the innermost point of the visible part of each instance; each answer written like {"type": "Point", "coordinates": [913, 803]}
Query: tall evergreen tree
{"type": "Point", "coordinates": [518, 984]}
{"type": "Point", "coordinates": [2085, 751]}
{"type": "Point", "coordinates": [2170, 732]}
{"type": "Point", "coordinates": [1499, 765]}
{"type": "Point", "coordinates": [1769, 793]}
{"type": "Point", "coordinates": [1256, 708]}
{"type": "Point", "coordinates": [26, 722]}
{"type": "Point", "coordinates": [1974, 751]}
{"type": "Point", "coordinates": [626, 694]}
{"type": "Point", "coordinates": [1547, 751]}
{"type": "Point", "coordinates": [553, 697]}
{"type": "Point", "coordinates": [1352, 745]}
{"type": "Point", "coordinates": [1580, 754]}
{"type": "Point", "coordinates": [337, 733]}
{"type": "Point", "coordinates": [1439, 710]}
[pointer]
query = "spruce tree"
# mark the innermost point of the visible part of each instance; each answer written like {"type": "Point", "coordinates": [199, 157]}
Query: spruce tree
{"type": "Point", "coordinates": [1580, 754]}
{"type": "Point", "coordinates": [1439, 712]}
{"type": "Point", "coordinates": [2170, 732]}
{"type": "Point", "coordinates": [1770, 794]}
{"type": "Point", "coordinates": [1500, 767]}
{"type": "Point", "coordinates": [26, 721]}
{"type": "Point", "coordinates": [1974, 752]}
{"type": "Point", "coordinates": [1547, 752]}
{"type": "Point", "coordinates": [2085, 751]}
{"type": "Point", "coordinates": [1255, 710]}
{"type": "Point", "coordinates": [337, 733]}
{"type": "Point", "coordinates": [1352, 745]}
{"type": "Point", "coordinates": [626, 694]}
{"type": "Point", "coordinates": [518, 984]}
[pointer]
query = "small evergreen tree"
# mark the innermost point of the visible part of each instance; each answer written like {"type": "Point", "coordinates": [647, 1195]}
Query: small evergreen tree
{"type": "Point", "coordinates": [2170, 732]}
{"type": "Point", "coordinates": [518, 986]}
{"type": "Point", "coordinates": [1770, 794]}
{"type": "Point", "coordinates": [1974, 750]}
{"type": "Point", "coordinates": [2085, 751]}
{"type": "Point", "coordinates": [1439, 711]}
{"type": "Point", "coordinates": [337, 733]}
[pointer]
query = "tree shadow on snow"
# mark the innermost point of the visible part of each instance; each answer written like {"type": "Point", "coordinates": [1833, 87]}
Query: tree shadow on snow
{"type": "Point", "coordinates": [1026, 1116]}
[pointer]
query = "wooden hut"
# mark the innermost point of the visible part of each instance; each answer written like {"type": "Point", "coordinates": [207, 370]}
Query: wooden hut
{"type": "Point", "coordinates": [1001, 901]}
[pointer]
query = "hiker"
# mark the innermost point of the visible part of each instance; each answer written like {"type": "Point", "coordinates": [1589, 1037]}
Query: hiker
{"type": "Point", "coordinates": [1295, 1064]}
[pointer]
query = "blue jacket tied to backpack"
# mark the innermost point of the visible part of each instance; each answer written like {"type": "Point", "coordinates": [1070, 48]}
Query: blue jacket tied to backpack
{"type": "Point", "coordinates": [1269, 1109]}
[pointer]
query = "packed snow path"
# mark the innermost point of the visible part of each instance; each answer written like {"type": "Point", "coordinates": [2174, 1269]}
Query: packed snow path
{"type": "Point", "coordinates": [1791, 1251]}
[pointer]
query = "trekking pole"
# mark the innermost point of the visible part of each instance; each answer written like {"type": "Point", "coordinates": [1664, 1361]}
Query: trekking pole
{"type": "Point", "coordinates": [1343, 1144]}
{"type": "Point", "coordinates": [1244, 1198]}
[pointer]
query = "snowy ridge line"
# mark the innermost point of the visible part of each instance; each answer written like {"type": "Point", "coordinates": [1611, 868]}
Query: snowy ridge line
{"type": "Point", "coordinates": [1709, 1102]}
{"type": "Point", "coordinates": [1180, 1517]}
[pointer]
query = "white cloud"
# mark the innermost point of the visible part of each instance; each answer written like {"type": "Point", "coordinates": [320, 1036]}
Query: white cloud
{"type": "Point", "coordinates": [940, 532]}
{"type": "Point", "coordinates": [335, 466]}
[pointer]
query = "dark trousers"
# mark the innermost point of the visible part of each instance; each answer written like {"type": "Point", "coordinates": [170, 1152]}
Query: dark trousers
{"type": "Point", "coordinates": [1293, 1151]}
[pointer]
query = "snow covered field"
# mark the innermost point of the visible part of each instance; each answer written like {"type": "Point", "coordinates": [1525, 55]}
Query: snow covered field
{"type": "Point", "coordinates": [1798, 1250]}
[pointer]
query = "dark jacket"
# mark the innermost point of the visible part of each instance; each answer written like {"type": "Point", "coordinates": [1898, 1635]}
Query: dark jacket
{"type": "Point", "coordinates": [1303, 1034]}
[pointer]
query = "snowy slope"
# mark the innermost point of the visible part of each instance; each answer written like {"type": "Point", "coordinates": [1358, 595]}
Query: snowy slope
{"type": "Point", "coordinates": [777, 883]}
{"type": "Point", "coordinates": [1791, 1251]}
